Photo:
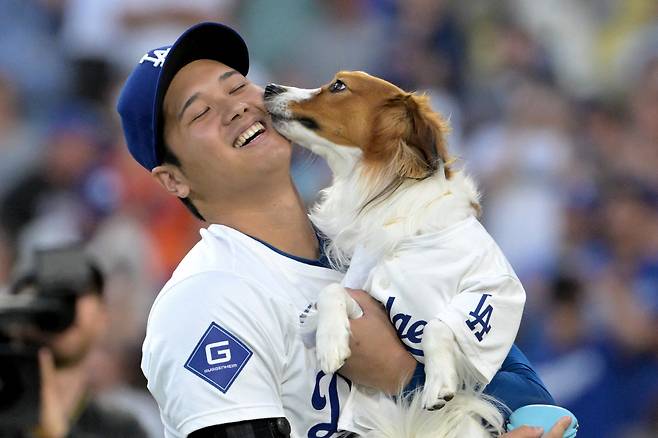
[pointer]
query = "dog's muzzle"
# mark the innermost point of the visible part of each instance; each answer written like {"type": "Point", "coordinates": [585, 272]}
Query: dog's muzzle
{"type": "Point", "coordinates": [272, 90]}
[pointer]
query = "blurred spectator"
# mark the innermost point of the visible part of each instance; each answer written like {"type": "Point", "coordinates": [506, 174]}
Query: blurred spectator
{"type": "Point", "coordinates": [347, 36]}
{"type": "Point", "coordinates": [19, 144]}
{"type": "Point", "coordinates": [275, 41]}
{"type": "Point", "coordinates": [628, 41]}
{"type": "Point", "coordinates": [152, 23]}
{"type": "Point", "coordinates": [67, 408]}
{"type": "Point", "coordinates": [639, 155]}
{"type": "Point", "coordinates": [586, 371]}
{"type": "Point", "coordinates": [429, 55]}
{"type": "Point", "coordinates": [90, 38]}
{"type": "Point", "coordinates": [102, 36]}
{"type": "Point", "coordinates": [568, 31]}
{"type": "Point", "coordinates": [504, 56]}
{"type": "Point", "coordinates": [432, 43]}
{"type": "Point", "coordinates": [627, 287]}
{"type": "Point", "coordinates": [29, 53]}
{"type": "Point", "coordinates": [521, 162]}
{"type": "Point", "coordinates": [50, 201]}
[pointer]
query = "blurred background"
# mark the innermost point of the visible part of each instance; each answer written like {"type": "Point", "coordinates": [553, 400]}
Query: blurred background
{"type": "Point", "coordinates": [554, 110]}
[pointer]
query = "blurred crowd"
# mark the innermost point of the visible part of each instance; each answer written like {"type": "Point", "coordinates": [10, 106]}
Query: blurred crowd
{"type": "Point", "coordinates": [554, 111]}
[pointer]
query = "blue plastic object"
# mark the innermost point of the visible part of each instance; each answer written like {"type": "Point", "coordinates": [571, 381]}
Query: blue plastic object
{"type": "Point", "coordinates": [544, 416]}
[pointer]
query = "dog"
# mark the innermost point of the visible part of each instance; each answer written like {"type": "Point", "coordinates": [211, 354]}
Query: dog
{"type": "Point", "coordinates": [405, 222]}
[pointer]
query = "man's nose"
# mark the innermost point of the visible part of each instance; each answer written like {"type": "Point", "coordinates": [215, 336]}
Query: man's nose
{"type": "Point", "coordinates": [272, 90]}
{"type": "Point", "coordinates": [236, 112]}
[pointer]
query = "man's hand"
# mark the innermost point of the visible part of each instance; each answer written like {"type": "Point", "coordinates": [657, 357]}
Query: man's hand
{"type": "Point", "coordinates": [378, 359]}
{"type": "Point", "coordinates": [52, 420]}
{"type": "Point", "coordinates": [557, 431]}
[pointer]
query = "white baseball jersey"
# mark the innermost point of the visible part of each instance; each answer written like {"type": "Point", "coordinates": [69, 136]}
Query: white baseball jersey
{"type": "Point", "coordinates": [223, 341]}
{"type": "Point", "coordinates": [457, 275]}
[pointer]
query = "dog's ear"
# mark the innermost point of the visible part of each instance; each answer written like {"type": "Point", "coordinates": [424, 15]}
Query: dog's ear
{"type": "Point", "coordinates": [412, 136]}
{"type": "Point", "coordinates": [426, 133]}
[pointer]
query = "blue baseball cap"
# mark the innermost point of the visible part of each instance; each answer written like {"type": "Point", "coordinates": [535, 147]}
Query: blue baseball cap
{"type": "Point", "coordinates": [140, 101]}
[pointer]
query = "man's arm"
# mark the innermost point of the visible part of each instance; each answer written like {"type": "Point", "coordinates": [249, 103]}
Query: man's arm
{"type": "Point", "coordinates": [379, 360]}
{"type": "Point", "coordinates": [212, 353]}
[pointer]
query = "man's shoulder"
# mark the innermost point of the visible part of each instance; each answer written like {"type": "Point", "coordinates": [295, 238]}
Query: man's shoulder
{"type": "Point", "coordinates": [214, 259]}
{"type": "Point", "coordinates": [206, 304]}
{"type": "Point", "coordinates": [204, 289]}
{"type": "Point", "coordinates": [213, 252]}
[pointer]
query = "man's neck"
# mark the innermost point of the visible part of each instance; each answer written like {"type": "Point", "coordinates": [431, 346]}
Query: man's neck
{"type": "Point", "coordinates": [279, 220]}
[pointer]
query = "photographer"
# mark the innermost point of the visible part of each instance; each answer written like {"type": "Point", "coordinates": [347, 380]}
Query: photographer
{"type": "Point", "coordinates": [65, 406]}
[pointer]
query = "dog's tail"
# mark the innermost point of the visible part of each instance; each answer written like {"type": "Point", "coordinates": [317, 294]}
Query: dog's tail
{"type": "Point", "coordinates": [469, 414]}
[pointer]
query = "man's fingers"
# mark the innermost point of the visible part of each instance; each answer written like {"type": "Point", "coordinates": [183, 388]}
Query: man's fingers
{"type": "Point", "coordinates": [557, 431]}
{"type": "Point", "coordinates": [524, 432]}
{"type": "Point", "coordinates": [47, 369]}
{"type": "Point", "coordinates": [53, 421]}
{"type": "Point", "coordinates": [47, 366]}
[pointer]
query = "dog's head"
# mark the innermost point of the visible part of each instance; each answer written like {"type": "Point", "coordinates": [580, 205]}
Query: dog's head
{"type": "Point", "coordinates": [394, 130]}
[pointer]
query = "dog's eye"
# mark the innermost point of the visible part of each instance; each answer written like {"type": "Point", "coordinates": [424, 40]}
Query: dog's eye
{"type": "Point", "coordinates": [337, 86]}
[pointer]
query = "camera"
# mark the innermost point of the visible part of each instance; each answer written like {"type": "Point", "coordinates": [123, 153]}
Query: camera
{"type": "Point", "coordinates": [40, 301]}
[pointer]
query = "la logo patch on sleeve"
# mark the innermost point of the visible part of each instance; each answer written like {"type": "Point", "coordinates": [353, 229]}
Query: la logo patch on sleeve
{"type": "Point", "coordinates": [218, 358]}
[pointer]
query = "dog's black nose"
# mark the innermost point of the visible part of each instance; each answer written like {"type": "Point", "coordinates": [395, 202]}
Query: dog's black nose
{"type": "Point", "coordinates": [272, 90]}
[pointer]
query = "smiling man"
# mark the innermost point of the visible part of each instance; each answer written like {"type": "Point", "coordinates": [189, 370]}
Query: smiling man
{"type": "Point", "coordinates": [226, 353]}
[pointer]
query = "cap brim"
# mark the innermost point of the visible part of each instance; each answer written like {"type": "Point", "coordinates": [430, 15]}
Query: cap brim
{"type": "Point", "coordinates": [203, 41]}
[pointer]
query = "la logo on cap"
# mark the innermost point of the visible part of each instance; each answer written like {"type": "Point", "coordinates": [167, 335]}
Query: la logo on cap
{"type": "Point", "coordinates": [158, 60]}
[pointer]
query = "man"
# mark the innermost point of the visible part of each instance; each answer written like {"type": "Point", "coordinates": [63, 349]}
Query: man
{"type": "Point", "coordinates": [225, 353]}
{"type": "Point", "coordinates": [66, 407]}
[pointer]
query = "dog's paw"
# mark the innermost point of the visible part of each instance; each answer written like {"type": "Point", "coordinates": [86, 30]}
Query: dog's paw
{"type": "Point", "coordinates": [440, 388]}
{"type": "Point", "coordinates": [332, 348]}
{"type": "Point", "coordinates": [441, 380]}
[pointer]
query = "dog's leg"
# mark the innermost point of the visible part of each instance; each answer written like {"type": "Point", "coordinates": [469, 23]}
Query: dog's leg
{"type": "Point", "coordinates": [439, 347]}
{"type": "Point", "coordinates": [335, 308]}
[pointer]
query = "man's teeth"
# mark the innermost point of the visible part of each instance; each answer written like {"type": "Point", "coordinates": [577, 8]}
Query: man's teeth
{"type": "Point", "coordinates": [250, 132]}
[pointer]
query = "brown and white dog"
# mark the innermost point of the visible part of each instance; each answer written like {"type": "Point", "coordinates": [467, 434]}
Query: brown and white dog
{"type": "Point", "coordinates": [392, 180]}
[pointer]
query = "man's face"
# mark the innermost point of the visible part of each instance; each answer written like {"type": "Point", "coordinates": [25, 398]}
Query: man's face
{"type": "Point", "coordinates": [73, 344]}
{"type": "Point", "coordinates": [217, 126]}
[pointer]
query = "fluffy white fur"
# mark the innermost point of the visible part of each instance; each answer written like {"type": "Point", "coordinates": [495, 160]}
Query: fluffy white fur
{"type": "Point", "coordinates": [459, 419]}
{"type": "Point", "coordinates": [416, 207]}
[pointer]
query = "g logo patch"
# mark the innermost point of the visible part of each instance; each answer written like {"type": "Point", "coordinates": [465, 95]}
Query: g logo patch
{"type": "Point", "coordinates": [218, 357]}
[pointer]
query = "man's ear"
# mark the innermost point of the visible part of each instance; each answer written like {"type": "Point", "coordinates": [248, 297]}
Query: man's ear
{"type": "Point", "coordinates": [172, 179]}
